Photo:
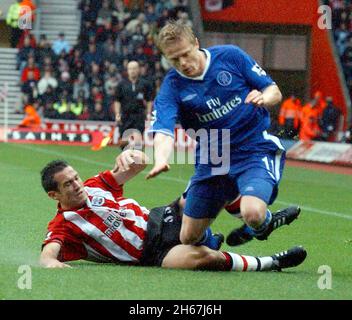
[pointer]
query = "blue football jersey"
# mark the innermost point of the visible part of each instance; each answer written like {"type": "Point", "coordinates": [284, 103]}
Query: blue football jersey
{"type": "Point", "coordinates": [215, 100]}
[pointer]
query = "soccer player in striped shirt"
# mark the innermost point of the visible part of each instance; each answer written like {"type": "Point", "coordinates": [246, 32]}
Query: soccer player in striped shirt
{"type": "Point", "coordinates": [95, 222]}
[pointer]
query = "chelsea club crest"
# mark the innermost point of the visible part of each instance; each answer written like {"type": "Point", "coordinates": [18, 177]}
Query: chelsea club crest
{"type": "Point", "coordinates": [224, 78]}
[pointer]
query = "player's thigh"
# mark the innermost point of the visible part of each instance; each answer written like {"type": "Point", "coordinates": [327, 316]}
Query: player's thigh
{"type": "Point", "coordinates": [205, 198]}
{"type": "Point", "coordinates": [261, 180]}
{"type": "Point", "coordinates": [192, 257]}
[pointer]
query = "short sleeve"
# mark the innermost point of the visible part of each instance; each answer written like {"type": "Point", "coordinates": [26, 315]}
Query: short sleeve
{"type": "Point", "coordinates": [250, 69]}
{"type": "Point", "coordinates": [105, 181]}
{"type": "Point", "coordinates": [59, 231]}
{"type": "Point", "coordinates": [165, 110]}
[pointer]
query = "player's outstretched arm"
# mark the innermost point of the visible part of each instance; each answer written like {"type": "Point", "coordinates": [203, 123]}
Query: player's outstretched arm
{"type": "Point", "coordinates": [163, 146]}
{"type": "Point", "coordinates": [270, 97]}
{"type": "Point", "coordinates": [128, 164]}
{"type": "Point", "coordinates": [48, 257]}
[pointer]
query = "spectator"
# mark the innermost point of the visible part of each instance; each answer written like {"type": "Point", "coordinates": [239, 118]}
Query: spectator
{"type": "Point", "coordinates": [68, 114]}
{"type": "Point", "coordinates": [30, 67]}
{"type": "Point", "coordinates": [131, 26]}
{"type": "Point", "coordinates": [309, 129]}
{"type": "Point", "coordinates": [92, 55]}
{"type": "Point", "coordinates": [139, 55]}
{"type": "Point", "coordinates": [320, 102]}
{"type": "Point", "coordinates": [61, 45]}
{"type": "Point", "coordinates": [49, 96]}
{"type": "Point", "coordinates": [80, 87]}
{"type": "Point", "coordinates": [85, 115]}
{"type": "Point", "coordinates": [62, 64]}
{"type": "Point", "coordinates": [150, 15]}
{"type": "Point", "coordinates": [87, 15]}
{"type": "Point", "coordinates": [289, 116]}
{"type": "Point", "coordinates": [163, 18]}
{"type": "Point", "coordinates": [26, 34]}
{"type": "Point", "coordinates": [47, 64]}
{"type": "Point", "coordinates": [46, 81]}
{"type": "Point", "coordinates": [110, 37]}
{"type": "Point", "coordinates": [75, 63]}
{"type": "Point", "coordinates": [24, 53]}
{"type": "Point", "coordinates": [87, 35]}
{"type": "Point", "coordinates": [44, 52]}
{"type": "Point", "coordinates": [12, 18]}
{"type": "Point", "coordinates": [110, 84]}
{"type": "Point", "coordinates": [112, 56]}
{"type": "Point", "coordinates": [29, 87]}
{"type": "Point", "coordinates": [77, 106]}
{"type": "Point", "coordinates": [95, 76]}
{"type": "Point", "coordinates": [98, 113]}
{"type": "Point", "coordinates": [63, 103]}
{"type": "Point", "coordinates": [65, 83]}
{"type": "Point", "coordinates": [135, 5]}
{"type": "Point", "coordinates": [120, 14]}
{"type": "Point", "coordinates": [104, 13]}
{"type": "Point", "coordinates": [121, 42]}
{"type": "Point", "coordinates": [163, 5]}
{"type": "Point", "coordinates": [104, 32]}
{"type": "Point", "coordinates": [32, 119]}
{"type": "Point", "coordinates": [95, 95]}
{"type": "Point", "coordinates": [341, 36]}
{"type": "Point", "coordinates": [148, 47]}
{"type": "Point", "coordinates": [347, 55]}
{"type": "Point", "coordinates": [49, 111]}
{"type": "Point", "coordinates": [329, 121]}
{"type": "Point", "coordinates": [137, 39]}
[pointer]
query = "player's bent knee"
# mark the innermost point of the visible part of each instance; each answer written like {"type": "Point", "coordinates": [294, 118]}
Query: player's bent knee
{"type": "Point", "coordinates": [189, 235]}
{"type": "Point", "coordinates": [252, 217]}
{"type": "Point", "coordinates": [188, 238]}
{"type": "Point", "coordinates": [253, 212]}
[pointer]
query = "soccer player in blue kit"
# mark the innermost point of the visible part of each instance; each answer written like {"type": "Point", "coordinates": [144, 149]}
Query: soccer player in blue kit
{"type": "Point", "coordinates": [222, 94]}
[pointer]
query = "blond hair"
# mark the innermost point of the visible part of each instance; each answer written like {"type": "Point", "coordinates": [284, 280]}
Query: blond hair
{"type": "Point", "coordinates": [172, 32]}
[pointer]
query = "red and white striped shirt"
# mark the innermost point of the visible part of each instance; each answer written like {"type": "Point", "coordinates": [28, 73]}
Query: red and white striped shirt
{"type": "Point", "coordinates": [109, 228]}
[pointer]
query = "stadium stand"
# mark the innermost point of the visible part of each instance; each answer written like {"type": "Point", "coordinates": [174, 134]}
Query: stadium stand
{"type": "Point", "coordinates": [77, 79]}
{"type": "Point", "coordinates": [319, 118]}
{"type": "Point", "coordinates": [71, 69]}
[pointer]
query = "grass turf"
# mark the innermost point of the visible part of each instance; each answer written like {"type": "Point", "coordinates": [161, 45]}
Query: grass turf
{"type": "Point", "coordinates": [324, 229]}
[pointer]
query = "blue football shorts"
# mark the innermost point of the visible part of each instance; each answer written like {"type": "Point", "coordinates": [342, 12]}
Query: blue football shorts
{"type": "Point", "coordinates": [259, 177]}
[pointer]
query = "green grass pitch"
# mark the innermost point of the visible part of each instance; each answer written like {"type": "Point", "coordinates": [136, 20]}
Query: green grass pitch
{"type": "Point", "coordinates": [324, 229]}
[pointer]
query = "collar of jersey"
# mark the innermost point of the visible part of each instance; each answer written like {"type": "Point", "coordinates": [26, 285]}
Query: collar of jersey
{"type": "Point", "coordinates": [207, 64]}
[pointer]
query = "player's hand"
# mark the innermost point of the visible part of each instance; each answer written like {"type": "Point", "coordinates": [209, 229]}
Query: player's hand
{"type": "Point", "coordinates": [124, 161]}
{"type": "Point", "coordinates": [157, 169]}
{"type": "Point", "coordinates": [130, 158]}
{"type": "Point", "coordinates": [56, 264]}
{"type": "Point", "coordinates": [255, 97]}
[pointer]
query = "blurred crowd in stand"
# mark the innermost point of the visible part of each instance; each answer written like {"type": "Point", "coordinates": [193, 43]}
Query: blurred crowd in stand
{"type": "Point", "coordinates": [88, 81]}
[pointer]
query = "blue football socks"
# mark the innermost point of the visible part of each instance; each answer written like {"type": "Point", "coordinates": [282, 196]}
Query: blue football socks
{"type": "Point", "coordinates": [209, 240]}
{"type": "Point", "coordinates": [257, 232]}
